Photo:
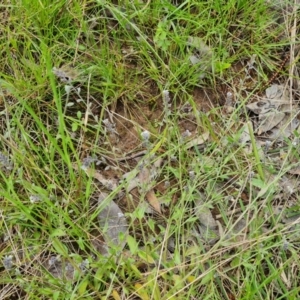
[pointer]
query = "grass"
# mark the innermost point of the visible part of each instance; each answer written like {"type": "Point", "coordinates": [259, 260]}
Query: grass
{"type": "Point", "coordinates": [121, 62]}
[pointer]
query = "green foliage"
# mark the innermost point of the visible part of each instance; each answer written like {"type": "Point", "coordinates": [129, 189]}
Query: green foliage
{"type": "Point", "coordinates": [117, 60]}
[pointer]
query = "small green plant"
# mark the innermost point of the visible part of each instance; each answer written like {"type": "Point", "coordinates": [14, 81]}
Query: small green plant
{"type": "Point", "coordinates": [161, 36]}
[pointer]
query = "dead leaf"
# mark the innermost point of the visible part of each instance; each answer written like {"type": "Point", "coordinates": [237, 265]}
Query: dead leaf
{"type": "Point", "coordinates": [204, 214]}
{"type": "Point", "coordinates": [113, 222]}
{"type": "Point", "coordinates": [198, 140]}
{"type": "Point", "coordinates": [144, 177]}
{"type": "Point", "coordinates": [108, 183]}
{"type": "Point", "coordinates": [277, 97]}
{"type": "Point", "coordinates": [210, 236]}
{"type": "Point", "coordinates": [238, 230]}
{"type": "Point", "coordinates": [60, 268]}
{"type": "Point", "coordinates": [269, 120]}
{"type": "Point", "coordinates": [171, 243]}
{"type": "Point", "coordinates": [284, 129]}
{"type": "Point", "coordinates": [274, 91]}
{"type": "Point", "coordinates": [142, 174]}
{"type": "Point", "coordinates": [153, 201]}
{"type": "Point", "coordinates": [245, 134]}
{"type": "Point", "coordinates": [260, 107]}
{"type": "Point", "coordinates": [194, 59]}
{"type": "Point", "coordinates": [288, 185]}
{"type": "Point", "coordinates": [294, 171]}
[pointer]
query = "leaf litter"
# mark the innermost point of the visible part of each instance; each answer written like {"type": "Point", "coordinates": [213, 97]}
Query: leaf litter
{"type": "Point", "coordinates": [113, 223]}
{"type": "Point", "coordinates": [277, 118]}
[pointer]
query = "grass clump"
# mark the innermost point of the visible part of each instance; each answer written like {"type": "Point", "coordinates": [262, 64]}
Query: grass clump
{"type": "Point", "coordinates": [93, 90]}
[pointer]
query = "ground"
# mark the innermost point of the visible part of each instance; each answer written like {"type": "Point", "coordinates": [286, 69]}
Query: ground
{"type": "Point", "coordinates": [149, 149]}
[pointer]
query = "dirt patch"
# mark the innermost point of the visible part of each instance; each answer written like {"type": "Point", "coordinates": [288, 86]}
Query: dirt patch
{"type": "Point", "coordinates": [131, 118]}
{"type": "Point", "coordinates": [205, 99]}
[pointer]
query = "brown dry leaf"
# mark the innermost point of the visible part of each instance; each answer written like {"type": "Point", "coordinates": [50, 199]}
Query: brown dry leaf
{"type": "Point", "coordinates": [277, 98]}
{"type": "Point", "coordinates": [148, 173]}
{"type": "Point", "coordinates": [108, 183]}
{"type": "Point", "coordinates": [198, 140]}
{"type": "Point", "coordinates": [153, 201]}
{"type": "Point", "coordinates": [275, 91]}
{"type": "Point", "coordinates": [284, 129]}
{"type": "Point", "coordinates": [269, 120]}
{"type": "Point", "coordinates": [144, 177]}
{"type": "Point", "coordinates": [294, 171]}
{"type": "Point", "coordinates": [260, 107]}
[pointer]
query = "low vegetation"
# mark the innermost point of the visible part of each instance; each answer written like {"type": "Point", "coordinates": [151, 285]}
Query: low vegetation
{"type": "Point", "coordinates": [149, 149]}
